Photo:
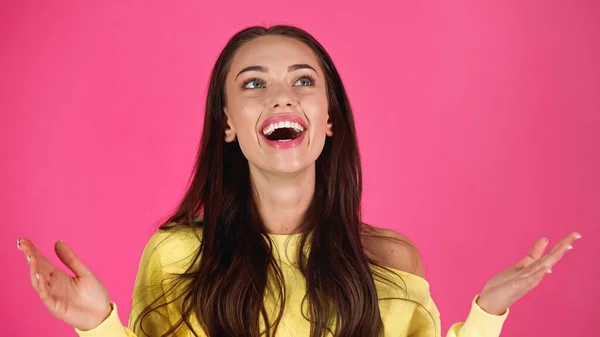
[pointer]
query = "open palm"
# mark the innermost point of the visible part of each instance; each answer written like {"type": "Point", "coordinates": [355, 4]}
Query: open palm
{"type": "Point", "coordinates": [81, 300]}
{"type": "Point", "coordinates": [508, 286]}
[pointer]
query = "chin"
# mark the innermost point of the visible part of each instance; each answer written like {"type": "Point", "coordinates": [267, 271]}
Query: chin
{"type": "Point", "coordinates": [291, 161]}
{"type": "Point", "coordinates": [287, 167]}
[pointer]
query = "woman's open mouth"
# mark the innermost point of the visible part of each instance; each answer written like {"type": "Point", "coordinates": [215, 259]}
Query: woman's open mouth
{"type": "Point", "coordinates": [283, 131]}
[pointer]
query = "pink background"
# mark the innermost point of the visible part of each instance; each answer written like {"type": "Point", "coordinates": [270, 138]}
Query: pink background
{"type": "Point", "coordinates": [479, 126]}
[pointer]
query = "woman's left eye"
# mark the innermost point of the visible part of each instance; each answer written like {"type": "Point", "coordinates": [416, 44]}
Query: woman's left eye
{"type": "Point", "coordinates": [304, 81]}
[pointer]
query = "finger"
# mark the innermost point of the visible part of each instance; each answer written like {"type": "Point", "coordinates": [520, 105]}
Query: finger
{"type": "Point", "coordinates": [26, 247]}
{"type": "Point", "coordinates": [555, 255]}
{"type": "Point", "coordinates": [44, 293]}
{"type": "Point", "coordinates": [566, 241]}
{"type": "Point", "coordinates": [33, 272]}
{"type": "Point", "coordinates": [535, 253]}
{"type": "Point", "coordinates": [36, 269]}
{"type": "Point", "coordinates": [526, 284]}
{"type": "Point", "coordinates": [68, 257]}
{"type": "Point", "coordinates": [560, 249]}
{"type": "Point", "coordinates": [43, 266]}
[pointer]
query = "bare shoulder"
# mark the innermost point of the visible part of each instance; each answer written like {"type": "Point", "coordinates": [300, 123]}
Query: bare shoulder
{"type": "Point", "coordinates": [392, 249]}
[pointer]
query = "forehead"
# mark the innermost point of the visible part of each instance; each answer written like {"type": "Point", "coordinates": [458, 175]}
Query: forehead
{"type": "Point", "coordinates": [273, 52]}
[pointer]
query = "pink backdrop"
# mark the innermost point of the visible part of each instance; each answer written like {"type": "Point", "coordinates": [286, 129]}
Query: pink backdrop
{"type": "Point", "coordinates": [479, 127]}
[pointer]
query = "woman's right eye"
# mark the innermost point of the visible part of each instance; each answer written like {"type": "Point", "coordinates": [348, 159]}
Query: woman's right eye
{"type": "Point", "coordinates": [253, 83]}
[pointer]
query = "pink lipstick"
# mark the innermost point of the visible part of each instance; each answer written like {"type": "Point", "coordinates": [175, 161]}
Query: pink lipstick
{"type": "Point", "coordinates": [283, 131]}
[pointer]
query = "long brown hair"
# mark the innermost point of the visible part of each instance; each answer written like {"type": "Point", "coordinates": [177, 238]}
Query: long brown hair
{"type": "Point", "coordinates": [225, 287]}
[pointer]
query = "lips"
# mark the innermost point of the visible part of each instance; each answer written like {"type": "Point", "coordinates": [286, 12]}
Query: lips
{"type": "Point", "coordinates": [283, 131]}
{"type": "Point", "coordinates": [282, 118]}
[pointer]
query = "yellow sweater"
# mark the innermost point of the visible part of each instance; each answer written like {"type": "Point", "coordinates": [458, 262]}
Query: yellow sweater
{"type": "Point", "coordinates": [172, 252]}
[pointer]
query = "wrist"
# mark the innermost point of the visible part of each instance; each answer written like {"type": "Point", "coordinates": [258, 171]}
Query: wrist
{"type": "Point", "coordinates": [96, 319]}
{"type": "Point", "coordinates": [488, 307]}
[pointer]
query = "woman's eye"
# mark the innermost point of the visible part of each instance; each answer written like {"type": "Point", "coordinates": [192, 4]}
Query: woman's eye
{"type": "Point", "coordinates": [304, 81]}
{"type": "Point", "coordinates": [254, 84]}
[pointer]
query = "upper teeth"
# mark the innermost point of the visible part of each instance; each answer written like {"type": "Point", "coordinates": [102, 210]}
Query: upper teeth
{"type": "Point", "coordinates": [287, 124]}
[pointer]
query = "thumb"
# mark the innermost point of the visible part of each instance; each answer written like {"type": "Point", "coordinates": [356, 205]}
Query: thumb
{"type": "Point", "coordinates": [68, 257]}
{"type": "Point", "coordinates": [535, 253]}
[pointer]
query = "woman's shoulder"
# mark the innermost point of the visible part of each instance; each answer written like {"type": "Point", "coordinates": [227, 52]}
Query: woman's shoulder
{"type": "Point", "coordinates": [173, 246]}
{"type": "Point", "coordinates": [174, 237]}
{"type": "Point", "coordinates": [392, 249]}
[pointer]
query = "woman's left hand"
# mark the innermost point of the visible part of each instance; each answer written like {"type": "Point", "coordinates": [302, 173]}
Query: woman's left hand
{"type": "Point", "coordinates": [504, 289]}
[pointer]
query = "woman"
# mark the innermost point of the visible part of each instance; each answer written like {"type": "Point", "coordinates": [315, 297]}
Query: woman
{"type": "Point", "coordinates": [268, 238]}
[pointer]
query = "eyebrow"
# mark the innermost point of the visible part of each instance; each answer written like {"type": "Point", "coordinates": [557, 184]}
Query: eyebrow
{"type": "Point", "coordinates": [262, 69]}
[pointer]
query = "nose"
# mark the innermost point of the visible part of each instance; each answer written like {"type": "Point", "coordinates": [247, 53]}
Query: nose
{"type": "Point", "coordinates": [283, 97]}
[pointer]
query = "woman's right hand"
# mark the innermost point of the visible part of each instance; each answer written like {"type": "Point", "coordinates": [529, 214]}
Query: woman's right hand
{"type": "Point", "coordinates": [81, 300]}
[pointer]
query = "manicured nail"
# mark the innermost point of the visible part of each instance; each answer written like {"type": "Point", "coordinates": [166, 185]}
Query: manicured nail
{"type": "Point", "coordinates": [19, 243]}
{"type": "Point", "coordinates": [569, 247]}
{"type": "Point", "coordinates": [37, 276]}
{"type": "Point", "coordinates": [28, 258]}
{"type": "Point", "coordinates": [549, 271]}
{"type": "Point", "coordinates": [578, 236]}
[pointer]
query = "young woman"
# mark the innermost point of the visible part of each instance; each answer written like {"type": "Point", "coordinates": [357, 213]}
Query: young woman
{"type": "Point", "coordinates": [268, 239]}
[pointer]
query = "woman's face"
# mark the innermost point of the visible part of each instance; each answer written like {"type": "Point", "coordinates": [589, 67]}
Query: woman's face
{"type": "Point", "coordinates": [277, 104]}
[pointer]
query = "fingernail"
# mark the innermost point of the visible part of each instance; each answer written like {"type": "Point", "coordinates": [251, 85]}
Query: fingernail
{"type": "Point", "coordinates": [549, 271]}
{"type": "Point", "coordinates": [578, 236]}
{"type": "Point", "coordinates": [19, 243]}
{"type": "Point", "coordinates": [546, 239]}
{"type": "Point", "coordinates": [28, 258]}
{"type": "Point", "coordinates": [569, 247]}
{"type": "Point", "coordinates": [37, 276]}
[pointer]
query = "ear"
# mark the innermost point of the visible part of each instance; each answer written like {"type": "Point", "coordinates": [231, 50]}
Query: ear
{"type": "Point", "coordinates": [329, 130]}
{"type": "Point", "coordinates": [230, 134]}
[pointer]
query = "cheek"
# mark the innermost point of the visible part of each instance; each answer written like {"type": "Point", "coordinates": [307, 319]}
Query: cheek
{"type": "Point", "coordinates": [246, 114]}
{"type": "Point", "coordinates": [316, 110]}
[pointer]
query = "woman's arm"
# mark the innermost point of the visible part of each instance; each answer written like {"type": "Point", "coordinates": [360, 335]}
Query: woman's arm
{"type": "Point", "coordinates": [478, 323]}
{"type": "Point", "coordinates": [490, 309]}
{"type": "Point", "coordinates": [110, 327]}
{"type": "Point", "coordinates": [148, 290]}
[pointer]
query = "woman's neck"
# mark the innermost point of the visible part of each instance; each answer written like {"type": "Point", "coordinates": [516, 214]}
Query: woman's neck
{"type": "Point", "coordinates": [282, 200]}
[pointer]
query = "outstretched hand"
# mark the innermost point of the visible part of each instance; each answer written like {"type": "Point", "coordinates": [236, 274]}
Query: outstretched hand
{"type": "Point", "coordinates": [508, 286]}
{"type": "Point", "coordinates": [80, 301]}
